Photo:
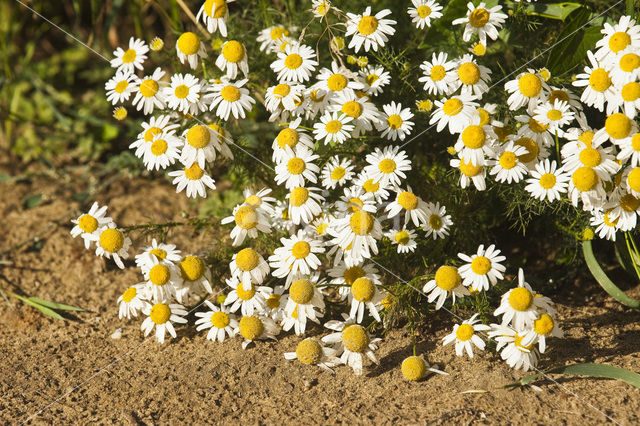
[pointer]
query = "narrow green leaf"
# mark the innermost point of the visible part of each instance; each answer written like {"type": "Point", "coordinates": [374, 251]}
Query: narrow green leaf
{"type": "Point", "coordinates": [622, 255]}
{"type": "Point", "coordinates": [603, 280]}
{"type": "Point", "coordinates": [43, 309]}
{"type": "Point", "coordinates": [53, 305]}
{"type": "Point", "coordinates": [558, 11]}
{"type": "Point", "coordinates": [32, 201]}
{"type": "Point", "coordinates": [586, 369]}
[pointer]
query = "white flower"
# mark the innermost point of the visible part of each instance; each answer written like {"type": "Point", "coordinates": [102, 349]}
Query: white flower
{"type": "Point", "coordinates": [370, 31]}
{"type": "Point", "coordinates": [516, 352]}
{"type": "Point", "coordinates": [298, 254]}
{"type": "Point", "coordinates": [230, 98]}
{"type": "Point", "coordinates": [304, 302]}
{"type": "Point", "coordinates": [423, 11]}
{"type": "Point", "coordinates": [249, 299]}
{"type": "Point", "coordinates": [336, 172]}
{"type": "Point", "coordinates": [617, 37]}
{"type": "Point", "coordinates": [337, 79]}
{"type": "Point", "coordinates": [156, 125]}
{"type": "Point", "coordinates": [159, 251]}
{"type": "Point", "coordinates": [476, 142]}
{"type": "Point", "coordinates": [219, 322]}
{"type": "Point", "coordinates": [447, 281]}
{"type": "Point", "coordinates": [606, 226]}
{"type": "Point", "coordinates": [120, 87]}
{"type": "Point", "coordinates": [128, 60]}
{"type": "Point", "coordinates": [404, 238]}
{"type": "Point", "coordinates": [163, 278]}
{"type": "Point", "coordinates": [162, 316]}
{"type": "Point", "coordinates": [248, 267]}
{"type": "Point", "coordinates": [456, 112]}
{"type": "Point", "coordinates": [256, 327]}
{"type": "Point", "coordinates": [296, 167]}
{"type": "Point", "coordinates": [528, 89]}
{"type": "Point", "coordinates": [363, 112]}
{"type": "Point", "coordinates": [438, 77]}
{"type": "Point", "coordinates": [379, 191]}
{"type": "Point", "coordinates": [303, 204]}
{"type": "Point", "coordinates": [295, 64]}
{"type": "Point", "coordinates": [599, 89]}
{"type": "Point", "coordinates": [438, 221]}
{"type": "Point", "coordinates": [89, 225]}
{"type": "Point", "coordinates": [199, 145]}
{"type": "Point", "coordinates": [162, 152]}
{"type": "Point", "coordinates": [373, 79]}
{"type": "Point", "coordinates": [311, 352]}
{"type": "Point", "coordinates": [149, 94]}
{"type": "Point", "coordinates": [189, 48]}
{"type": "Point", "coordinates": [507, 165]}
{"type": "Point", "coordinates": [214, 14]}
{"type": "Point", "coordinates": [196, 277]}
{"type": "Point", "coordinates": [472, 77]}
{"type": "Point", "coordinates": [233, 56]}
{"type": "Point", "coordinates": [547, 182]}
{"type": "Point", "coordinates": [483, 268]}
{"type": "Point", "coordinates": [485, 22]}
{"type": "Point", "coordinates": [131, 301]}
{"type": "Point", "coordinates": [470, 174]}
{"type": "Point", "coordinates": [359, 231]}
{"type": "Point", "coordinates": [387, 166]}
{"type": "Point", "coordinates": [555, 115]}
{"type": "Point", "coordinates": [320, 8]}
{"type": "Point", "coordinates": [352, 342]}
{"type": "Point", "coordinates": [287, 96]}
{"type": "Point", "coordinates": [194, 179]}
{"type": "Point", "coordinates": [333, 128]}
{"type": "Point", "coordinates": [626, 66]}
{"type": "Point", "coordinates": [465, 336]}
{"type": "Point", "coordinates": [185, 94]}
{"type": "Point", "coordinates": [394, 123]}
{"type": "Point", "coordinates": [269, 37]}
{"type": "Point", "coordinates": [520, 306]}
{"type": "Point", "coordinates": [260, 199]}
{"type": "Point", "coordinates": [365, 293]}
{"type": "Point", "coordinates": [111, 243]}
{"type": "Point", "coordinates": [249, 220]}
{"type": "Point", "coordinates": [543, 327]}
{"type": "Point", "coordinates": [413, 207]}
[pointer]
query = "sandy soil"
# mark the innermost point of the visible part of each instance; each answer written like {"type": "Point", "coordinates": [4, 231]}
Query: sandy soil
{"type": "Point", "coordinates": [72, 371]}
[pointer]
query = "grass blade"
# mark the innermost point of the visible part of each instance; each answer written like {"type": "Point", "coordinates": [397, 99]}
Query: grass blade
{"type": "Point", "coordinates": [41, 308]}
{"type": "Point", "coordinates": [586, 369]}
{"type": "Point", "coordinates": [53, 305]}
{"type": "Point", "coordinates": [603, 280]}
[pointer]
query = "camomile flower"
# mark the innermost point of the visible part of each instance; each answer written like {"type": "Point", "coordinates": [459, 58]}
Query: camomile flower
{"type": "Point", "coordinates": [543, 327]}
{"type": "Point", "coordinates": [535, 150]}
{"type": "Point", "coordinates": [520, 306]}
{"type": "Point", "coordinates": [269, 37]}
{"type": "Point", "coordinates": [517, 354]}
{"type": "Point", "coordinates": [128, 60]}
{"type": "Point", "coordinates": [415, 368]}
{"type": "Point", "coordinates": [189, 48]}
{"type": "Point", "coordinates": [507, 166]}
{"type": "Point", "coordinates": [233, 57]}
{"type": "Point", "coordinates": [155, 126]}
{"type": "Point", "coordinates": [194, 179]}
{"type": "Point", "coordinates": [626, 66]}
{"type": "Point", "coordinates": [120, 113]}
{"type": "Point", "coordinates": [476, 142]}
{"type": "Point", "coordinates": [617, 38]}
{"type": "Point", "coordinates": [629, 100]}
{"type": "Point", "coordinates": [218, 320]}
{"type": "Point", "coordinates": [410, 204]}
{"type": "Point", "coordinates": [248, 267]}
{"type": "Point", "coordinates": [352, 342]}
{"type": "Point", "coordinates": [162, 316]}
{"type": "Point", "coordinates": [229, 98]}
{"type": "Point", "coordinates": [320, 8]}
{"type": "Point", "coordinates": [320, 225]}
{"type": "Point", "coordinates": [485, 22]}
{"type": "Point", "coordinates": [196, 277]}
{"type": "Point", "coordinates": [596, 156]}
{"type": "Point", "coordinates": [395, 122]}
{"type": "Point", "coordinates": [89, 225]}
{"type": "Point", "coordinates": [565, 95]}
{"type": "Point", "coordinates": [423, 11]}
{"type": "Point", "coordinates": [165, 253]}
{"type": "Point", "coordinates": [131, 301]}
{"type": "Point", "coordinates": [618, 128]}
{"type": "Point", "coordinates": [369, 31]}
{"type": "Point", "coordinates": [296, 168]}
{"type": "Point", "coordinates": [199, 145]}
{"type": "Point", "coordinates": [439, 75]}
{"type": "Point", "coordinates": [163, 278]}
{"type": "Point", "coordinates": [447, 282]}
{"type": "Point", "coordinates": [547, 181]}
{"type": "Point", "coordinates": [631, 180]}
{"type": "Point", "coordinates": [297, 254]}
{"type": "Point", "coordinates": [256, 327]}
{"type": "Point", "coordinates": [438, 221]}
{"type": "Point", "coordinates": [276, 303]}
{"type": "Point", "coordinates": [373, 79]}
{"type": "Point", "coordinates": [259, 199]}
{"type": "Point", "coordinates": [336, 172]}
{"type": "Point", "coordinates": [249, 300]}
{"type": "Point", "coordinates": [335, 80]}
{"type": "Point", "coordinates": [483, 268]}
{"type": "Point", "coordinates": [359, 230]}
{"type": "Point", "coordinates": [283, 97]}
{"type": "Point", "coordinates": [344, 276]}
{"type": "Point", "coordinates": [527, 89]}
{"type": "Point", "coordinates": [111, 243]}
{"type": "Point", "coordinates": [605, 226]}
{"type": "Point", "coordinates": [303, 204]}
{"type": "Point", "coordinates": [304, 302]}
{"type": "Point", "coordinates": [162, 152]}
{"type": "Point", "coordinates": [365, 293]}
{"type": "Point", "coordinates": [295, 64]}
{"type": "Point", "coordinates": [333, 128]}
{"type": "Point", "coordinates": [184, 94]}
{"type": "Point", "coordinates": [470, 174]}
{"type": "Point", "coordinates": [598, 88]}
{"type": "Point", "coordinates": [473, 78]}
{"type": "Point", "coordinates": [404, 238]}
{"type": "Point", "coordinates": [214, 15]}
{"type": "Point", "coordinates": [465, 337]}
{"type": "Point", "coordinates": [281, 220]}
{"type": "Point", "coordinates": [555, 116]}
{"type": "Point", "coordinates": [376, 189]}
{"type": "Point", "coordinates": [363, 112]}
{"type": "Point", "coordinates": [310, 351]}
{"type": "Point", "coordinates": [624, 208]}
{"type": "Point", "coordinates": [585, 185]}
{"type": "Point", "coordinates": [455, 112]}
{"type": "Point", "coordinates": [535, 130]}
{"type": "Point", "coordinates": [249, 220]}
{"type": "Point", "coordinates": [119, 88]}
{"type": "Point", "coordinates": [315, 101]}
{"type": "Point", "coordinates": [387, 166]}
{"type": "Point", "coordinates": [149, 94]}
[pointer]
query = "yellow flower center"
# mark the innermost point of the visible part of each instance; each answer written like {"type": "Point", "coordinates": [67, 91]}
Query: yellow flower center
{"type": "Point", "coordinates": [230, 93]}
{"type": "Point", "coordinates": [160, 313]}
{"type": "Point", "coordinates": [247, 259]}
{"type": "Point", "coordinates": [273, 302]}
{"type": "Point", "coordinates": [394, 121]}
{"type": "Point", "coordinates": [337, 82]}
{"type": "Point", "coordinates": [121, 86]}
{"type": "Point", "coordinates": [315, 97]}
{"type": "Point", "coordinates": [547, 180]}
{"type": "Point", "coordinates": [435, 221]}
{"type": "Point", "coordinates": [635, 142]}
{"type": "Point", "coordinates": [452, 107]}
{"type": "Point", "coordinates": [338, 173]}
{"type": "Point", "coordinates": [111, 240]}
{"type": "Point", "coordinates": [278, 32]}
{"type": "Point", "coordinates": [402, 237]}
{"type": "Point", "coordinates": [631, 91]}
{"type": "Point", "coordinates": [370, 186]}
{"type": "Point", "coordinates": [251, 327]}
{"type": "Point", "coordinates": [606, 218]}
{"type": "Point", "coordinates": [448, 278]}
{"type": "Point", "coordinates": [322, 228]}
{"type": "Point", "coordinates": [246, 217]}
{"type": "Point", "coordinates": [361, 222]}
{"type": "Point", "coordinates": [634, 179]}
{"type": "Point", "coordinates": [629, 203]}
{"type": "Point", "coordinates": [189, 43]}
{"type": "Point", "coordinates": [584, 179]}
{"type": "Point", "coordinates": [530, 85]}
{"type": "Point", "coordinates": [479, 49]}
{"type": "Point", "coordinates": [215, 12]}
{"type": "Point", "coordinates": [301, 249]}
{"type": "Point", "coordinates": [599, 80]}
{"type": "Point", "coordinates": [371, 78]}
{"type": "Point", "coordinates": [354, 204]}
{"type": "Point", "coordinates": [408, 200]}
{"type": "Point", "coordinates": [309, 351]}
{"type": "Point", "coordinates": [464, 332]}
{"type": "Point", "coordinates": [590, 157]}
{"type": "Point", "coordinates": [194, 172]}
{"type": "Point", "coordinates": [414, 368]}
{"type": "Point", "coordinates": [233, 51]}
{"type": "Point", "coordinates": [520, 299]}
{"type": "Point", "coordinates": [352, 108]}
{"type": "Point", "coordinates": [618, 126]}
{"type": "Point", "coordinates": [159, 253]}
{"type": "Point", "coordinates": [437, 72]}
{"type": "Point", "coordinates": [387, 166]}
{"type": "Point", "coordinates": [469, 73]}
{"type": "Point", "coordinates": [129, 294]}
{"type": "Point", "coordinates": [554, 114]}
{"type": "Point", "coordinates": [219, 319]}
{"type": "Point", "coordinates": [159, 274]}
{"type": "Point", "coordinates": [282, 90]}
{"type": "Point", "coordinates": [559, 95]}
{"type": "Point", "coordinates": [245, 294]}
{"type": "Point", "coordinates": [423, 11]}
{"type": "Point", "coordinates": [619, 41]}
{"type": "Point", "coordinates": [543, 325]}
{"type": "Point", "coordinates": [480, 265]}
{"type": "Point", "coordinates": [508, 160]}
{"type": "Point", "coordinates": [151, 132]}
{"type": "Point", "coordinates": [88, 223]}
{"type": "Point", "coordinates": [469, 169]}
{"type": "Point", "coordinates": [532, 148]}
{"type": "Point", "coordinates": [159, 147]}
{"type": "Point", "coordinates": [198, 136]}
{"type": "Point", "coordinates": [181, 91]}
{"type": "Point", "coordinates": [129, 56]}
{"type": "Point", "coordinates": [148, 88]}
{"type": "Point", "coordinates": [299, 196]}
{"type": "Point", "coordinates": [333, 126]}
{"type": "Point", "coordinates": [363, 289]}
{"type": "Point", "coordinates": [301, 291]}
{"type": "Point", "coordinates": [518, 342]}
{"type": "Point", "coordinates": [293, 61]}
{"type": "Point", "coordinates": [473, 136]}
{"type": "Point", "coordinates": [253, 201]}
{"type": "Point", "coordinates": [367, 25]}
{"type": "Point", "coordinates": [352, 274]}
{"type": "Point", "coordinates": [629, 62]}
{"type": "Point", "coordinates": [287, 137]}
{"type": "Point", "coordinates": [355, 338]}
{"type": "Point", "coordinates": [479, 17]}
{"type": "Point", "coordinates": [296, 165]}
{"type": "Point", "coordinates": [192, 268]}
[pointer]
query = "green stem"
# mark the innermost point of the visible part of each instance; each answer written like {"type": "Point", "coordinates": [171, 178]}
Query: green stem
{"type": "Point", "coordinates": [558, 149]}
{"type": "Point", "coordinates": [413, 339]}
{"type": "Point", "coordinates": [631, 254]}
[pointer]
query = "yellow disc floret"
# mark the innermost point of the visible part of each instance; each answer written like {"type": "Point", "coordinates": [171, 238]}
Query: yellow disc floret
{"type": "Point", "coordinates": [452, 106]}
{"type": "Point", "coordinates": [367, 25]}
{"type": "Point", "coordinates": [189, 43]}
{"type": "Point", "coordinates": [299, 196]}
{"type": "Point", "coordinates": [361, 222]}
{"type": "Point", "coordinates": [159, 274]}
{"type": "Point", "coordinates": [469, 73]}
{"type": "Point", "coordinates": [246, 217]}
{"type": "Point", "coordinates": [481, 265]}
{"type": "Point", "coordinates": [479, 17]}
{"type": "Point", "coordinates": [245, 294]}
{"type": "Point", "coordinates": [129, 294]}
{"type": "Point", "coordinates": [287, 137]}
{"type": "Point", "coordinates": [447, 277]}
{"type": "Point", "coordinates": [219, 319]}
{"type": "Point", "coordinates": [198, 136]}
{"type": "Point", "coordinates": [363, 289]}
{"type": "Point", "coordinates": [584, 179]}
{"type": "Point", "coordinates": [618, 126]}
{"type": "Point", "coordinates": [309, 352]}
{"type": "Point", "coordinates": [337, 82]}
{"type": "Point", "coordinates": [301, 291]}
{"type": "Point", "coordinates": [149, 88]}
{"type": "Point", "coordinates": [87, 223]}
{"type": "Point", "coordinates": [464, 332]}
{"type": "Point", "coordinates": [408, 200]}
{"type": "Point", "coordinates": [192, 268]}
{"type": "Point", "coordinates": [111, 240]}
{"type": "Point", "coordinates": [473, 136]}
{"type": "Point", "coordinates": [548, 180]}
{"type": "Point", "coordinates": [543, 325]}
{"type": "Point", "coordinates": [355, 338]}
{"type": "Point", "coordinates": [251, 327]}
{"type": "Point", "coordinates": [160, 313]}
{"type": "Point", "coordinates": [247, 259]}
{"type": "Point", "coordinates": [599, 80]}
{"type": "Point", "coordinates": [301, 249]}
{"type": "Point", "coordinates": [414, 368]}
{"type": "Point", "coordinates": [233, 51]}
{"type": "Point", "coordinates": [387, 166]}
{"type": "Point", "coordinates": [530, 85]}
{"type": "Point", "coordinates": [230, 93]}
{"type": "Point", "coordinates": [520, 299]}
